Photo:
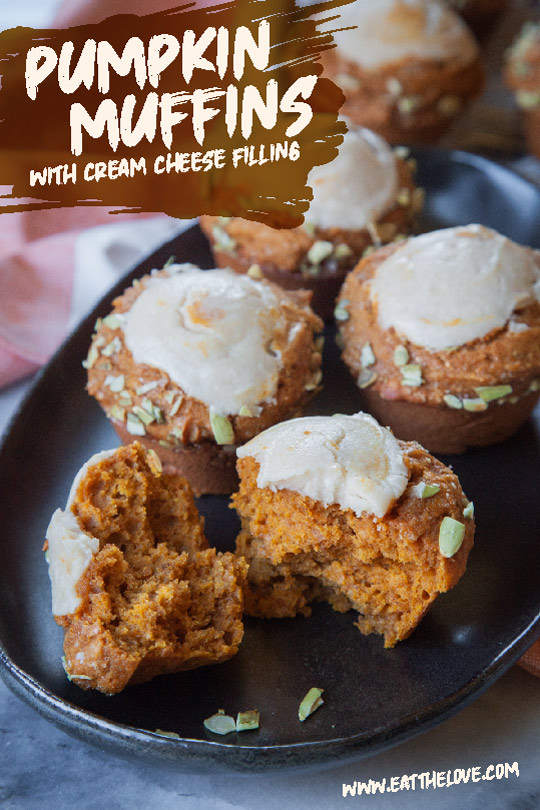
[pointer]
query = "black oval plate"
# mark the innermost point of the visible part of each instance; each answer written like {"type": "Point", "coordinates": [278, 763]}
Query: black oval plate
{"type": "Point", "coordinates": [374, 698]}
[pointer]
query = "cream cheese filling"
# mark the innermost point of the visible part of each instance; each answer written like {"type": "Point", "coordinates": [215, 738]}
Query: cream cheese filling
{"type": "Point", "coordinates": [449, 287]}
{"type": "Point", "coordinates": [212, 332]}
{"type": "Point", "coordinates": [347, 460]}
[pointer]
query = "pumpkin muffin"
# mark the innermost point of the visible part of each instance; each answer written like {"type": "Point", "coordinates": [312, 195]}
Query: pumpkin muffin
{"type": "Point", "coordinates": [193, 363]}
{"type": "Point", "coordinates": [335, 508]}
{"type": "Point", "coordinates": [407, 67]}
{"type": "Point", "coordinates": [442, 334]}
{"type": "Point", "coordinates": [134, 583]}
{"type": "Point", "coordinates": [522, 75]}
{"type": "Point", "coordinates": [365, 196]}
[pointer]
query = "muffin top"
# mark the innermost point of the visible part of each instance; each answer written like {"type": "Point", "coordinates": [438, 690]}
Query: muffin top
{"type": "Point", "coordinates": [391, 31]}
{"type": "Point", "coordinates": [358, 186]}
{"type": "Point", "coordinates": [449, 287]}
{"type": "Point", "coordinates": [523, 66]}
{"type": "Point", "coordinates": [214, 333]}
{"type": "Point", "coordinates": [347, 460]}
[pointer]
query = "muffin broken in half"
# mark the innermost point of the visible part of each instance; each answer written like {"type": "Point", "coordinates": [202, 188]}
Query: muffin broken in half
{"type": "Point", "coordinates": [337, 509]}
{"type": "Point", "coordinates": [134, 583]}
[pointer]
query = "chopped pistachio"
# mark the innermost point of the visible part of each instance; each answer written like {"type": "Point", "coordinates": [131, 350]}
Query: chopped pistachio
{"type": "Point", "coordinates": [220, 723]}
{"type": "Point", "coordinates": [490, 392]}
{"type": "Point", "coordinates": [97, 325]}
{"type": "Point", "coordinates": [142, 414]}
{"type": "Point", "coordinates": [468, 512]}
{"type": "Point", "coordinates": [310, 703]}
{"type": "Point", "coordinates": [176, 405]}
{"type": "Point", "coordinates": [366, 378]}
{"type": "Point", "coordinates": [367, 358]}
{"type": "Point", "coordinates": [144, 389]}
{"type": "Point", "coordinates": [401, 355]}
{"type": "Point", "coordinates": [248, 720]}
{"type": "Point", "coordinates": [118, 413]}
{"type": "Point", "coordinates": [72, 675]}
{"type": "Point", "coordinates": [368, 251]}
{"type": "Point", "coordinates": [165, 444]}
{"type": "Point", "coordinates": [319, 251]}
{"type": "Point", "coordinates": [222, 240]}
{"type": "Point", "coordinates": [111, 348]}
{"type": "Point", "coordinates": [91, 358]}
{"type": "Point", "coordinates": [374, 234]}
{"type": "Point", "coordinates": [404, 197]}
{"type": "Point", "coordinates": [156, 461]}
{"type": "Point", "coordinates": [528, 99]}
{"type": "Point", "coordinates": [347, 82]}
{"type": "Point", "coordinates": [475, 405]}
{"type": "Point", "coordinates": [408, 104]}
{"type": "Point", "coordinates": [125, 399]}
{"type": "Point", "coordinates": [245, 411]}
{"type": "Point", "coordinates": [451, 534]}
{"type": "Point", "coordinates": [116, 384]}
{"type": "Point", "coordinates": [423, 490]}
{"type": "Point", "coordinates": [176, 432]}
{"type": "Point", "coordinates": [134, 425]}
{"type": "Point", "coordinates": [340, 312]}
{"type": "Point", "coordinates": [171, 734]}
{"type": "Point", "coordinates": [309, 228]}
{"type": "Point", "coordinates": [255, 272]}
{"type": "Point", "coordinates": [449, 105]}
{"type": "Point", "coordinates": [418, 199]}
{"type": "Point", "coordinates": [512, 400]}
{"type": "Point", "coordinates": [394, 86]}
{"type": "Point", "coordinates": [453, 401]}
{"type": "Point", "coordinates": [112, 321]}
{"type": "Point", "coordinates": [534, 386]}
{"type": "Point", "coordinates": [170, 260]}
{"type": "Point", "coordinates": [221, 428]}
{"type": "Point", "coordinates": [342, 250]}
{"type": "Point", "coordinates": [402, 152]}
{"type": "Point", "coordinates": [411, 374]}
{"type": "Point", "coordinates": [314, 382]}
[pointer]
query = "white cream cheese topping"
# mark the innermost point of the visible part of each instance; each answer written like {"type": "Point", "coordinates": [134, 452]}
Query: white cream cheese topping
{"type": "Point", "coordinates": [389, 31]}
{"type": "Point", "coordinates": [452, 286]}
{"type": "Point", "coordinates": [347, 460]}
{"type": "Point", "coordinates": [211, 332]}
{"type": "Point", "coordinates": [70, 550]}
{"type": "Point", "coordinates": [357, 187]}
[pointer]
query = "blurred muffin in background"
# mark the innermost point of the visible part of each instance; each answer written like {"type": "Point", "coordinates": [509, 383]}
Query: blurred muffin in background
{"type": "Point", "coordinates": [479, 14]}
{"type": "Point", "coordinates": [366, 196]}
{"type": "Point", "coordinates": [522, 75]}
{"type": "Point", "coordinates": [407, 67]}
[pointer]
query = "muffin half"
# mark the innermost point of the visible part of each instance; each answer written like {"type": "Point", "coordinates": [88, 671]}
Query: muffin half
{"type": "Point", "coordinates": [337, 509]}
{"type": "Point", "coordinates": [193, 363]}
{"type": "Point", "coordinates": [442, 334]}
{"type": "Point", "coordinates": [522, 74]}
{"type": "Point", "coordinates": [134, 583]}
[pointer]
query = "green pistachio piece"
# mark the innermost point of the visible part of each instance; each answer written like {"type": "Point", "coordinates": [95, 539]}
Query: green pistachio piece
{"type": "Point", "coordinates": [170, 396]}
{"type": "Point", "coordinates": [245, 411]}
{"type": "Point", "coordinates": [468, 512]}
{"type": "Point", "coordinates": [367, 358]}
{"type": "Point", "coordinates": [411, 374]}
{"type": "Point", "coordinates": [347, 82]}
{"type": "Point", "coordinates": [112, 321]}
{"type": "Point", "coordinates": [72, 675]}
{"type": "Point", "coordinates": [156, 461]}
{"type": "Point", "coordinates": [222, 240]}
{"type": "Point", "coordinates": [309, 228]}
{"type": "Point", "coordinates": [255, 272]}
{"type": "Point", "coordinates": [143, 415]}
{"type": "Point", "coordinates": [111, 348]}
{"type": "Point", "coordinates": [221, 428]}
{"type": "Point", "coordinates": [475, 405]}
{"type": "Point", "coordinates": [408, 104]}
{"type": "Point", "coordinates": [116, 384]}
{"type": "Point", "coordinates": [91, 358]}
{"type": "Point", "coordinates": [310, 703]}
{"type": "Point", "coordinates": [118, 413]}
{"type": "Point", "coordinates": [534, 386]}
{"type": "Point", "coordinates": [404, 197]}
{"type": "Point", "coordinates": [453, 401]}
{"type": "Point", "coordinates": [402, 152]}
{"type": "Point", "coordinates": [248, 720]}
{"type": "Point", "coordinates": [134, 425]}
{"type": "Point", "coordinates": [144, 389]}
{"type": "Point", "coordinates": [528, 99]}
{"type": "Point", "coordinates": [342, 250]}
{"type": "Point", "coordinates": [314, 382]}
{"type": "Point", "coordinates": [366, 378]}
{"type": "Point", "coordinates": [491, 392]}
{"type": "Point", "coordinates": [451, 534]}
{"type": "Point", "coordinates": [319, 251]}
{"type": "Point", "coordinates": [176, 405]}
{"type": "Point", "coordinates": [340, 312]}
{"type": "Point", "coordinates": [165, 444]}
{"type": "Point", "coordinates": [220, 723]}
{"type": "Point", "coordinates": [423, 490]}
{"type": "Point", "coordinates": [401, 356]}
{"type": "Point", "coordinates": [394, 86]}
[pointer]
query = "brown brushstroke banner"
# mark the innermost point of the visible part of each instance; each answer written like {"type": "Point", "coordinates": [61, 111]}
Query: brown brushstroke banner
{"type": "Point", "coordinates": [138, 113]}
